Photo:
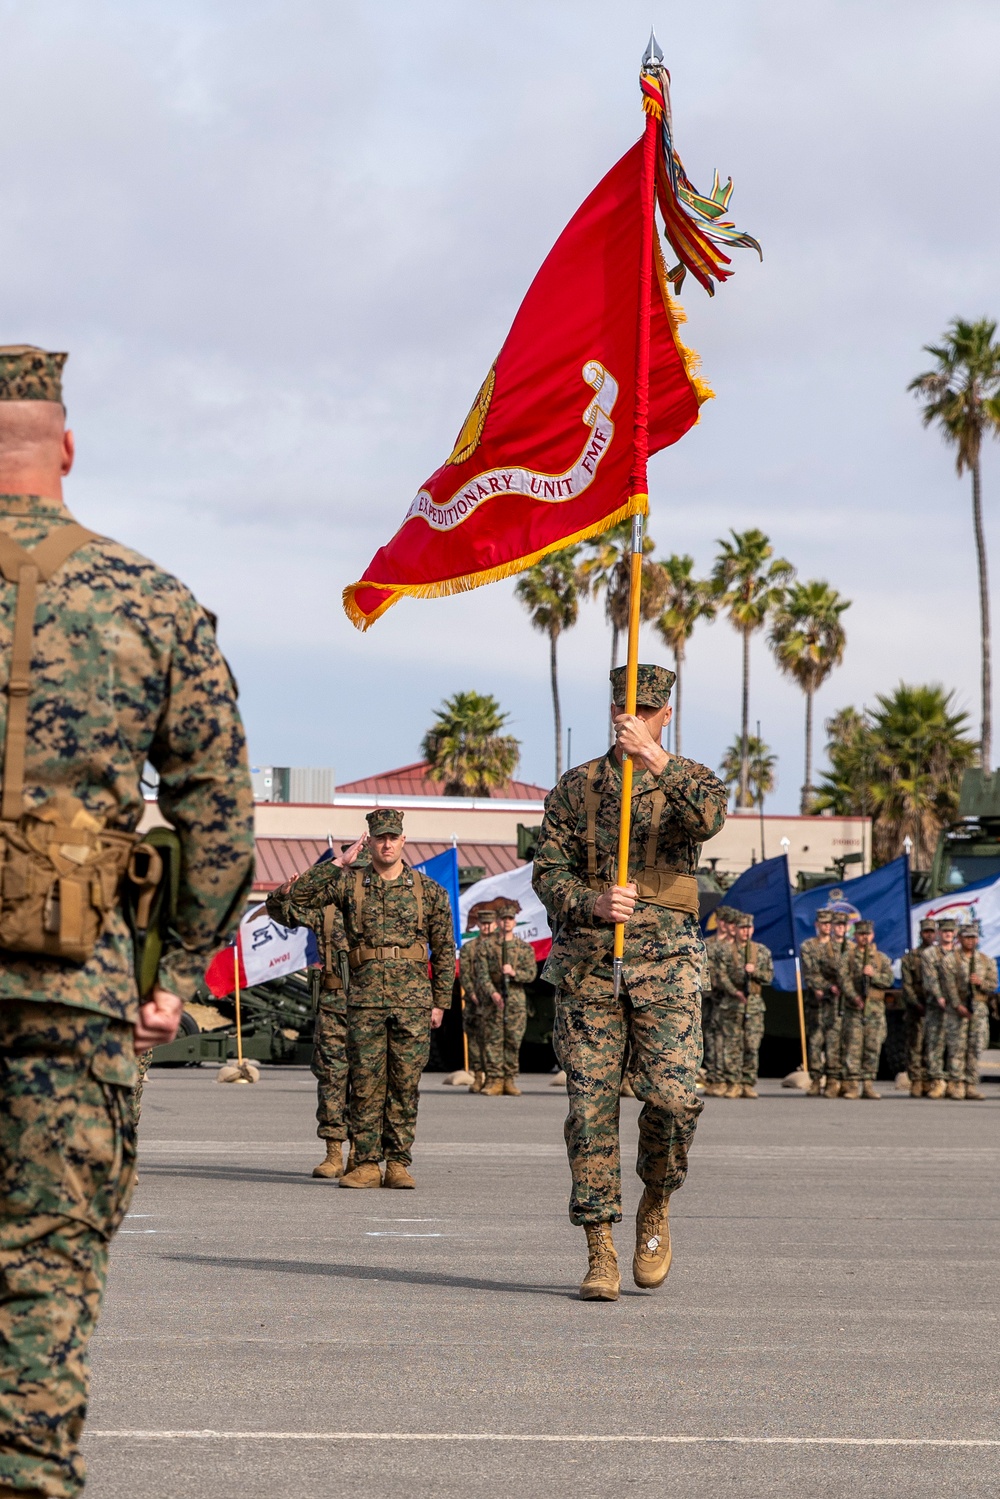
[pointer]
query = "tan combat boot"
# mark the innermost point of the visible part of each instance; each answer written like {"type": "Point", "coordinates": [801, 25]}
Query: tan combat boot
{"type": "Point", "coordinates": [749, 1091]}
{"type": "Point", "coordinates": [333, 1166]}
{"type": "Point", "coordinates": [868, 1090]}
{"type": "Point", "coordinates": [510, 1088]}
{"type": "Point", "coordinates": [477, 1082]}
{"type": "Point", "coordinates": [602, 1281]}
{"type": "Point", "coordinates": [832, 1088]}
{"type": "Point", "coordinates": [955, 1090]}
{"type": "Point", "coordinates": [918, 1089]}
{"type": "Point", "coordinates": [714, 1090]}
{"type": "Point", "coordinates": [733, 1090]}
{"type": "Point", "coordinates": [850, 1089]}
{"type": "Point", "coordinates": [396, 1175]}
{"type": "Point", "coordinates": [653, 1254]}
{"type": "Point", "coordinates": [935, 1089]}
{"type": "Point", "coordinates": [365, 1175]}
{"type": "Point", "coordinates": [492, 1089]}
{"type": "Point", "coordinates": [815, 1088]}
{"type": "Point", "coordinates": [352, 1158]}
{"type": "Point", "coordinates": [971, 1091]}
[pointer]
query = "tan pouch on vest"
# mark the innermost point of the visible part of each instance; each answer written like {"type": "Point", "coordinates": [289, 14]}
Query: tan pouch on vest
{"type": "Point", "coordinates": [60, 867]}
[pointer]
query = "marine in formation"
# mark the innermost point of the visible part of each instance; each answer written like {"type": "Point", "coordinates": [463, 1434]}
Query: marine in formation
{"type": "Point", "coordinates": [502, 964]}
{"type": "Point", "coordinates": [109, 662]}
{"type": "Point", "coordinates": [656, 1018]}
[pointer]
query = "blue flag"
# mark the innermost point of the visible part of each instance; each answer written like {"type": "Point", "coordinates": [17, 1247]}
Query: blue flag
{"type": "Point", "coordinates": [882, 897]}
{"type": "Point", "coordinates": [765, 893]}
{"type": "Point", "coordinates": [444, 869]}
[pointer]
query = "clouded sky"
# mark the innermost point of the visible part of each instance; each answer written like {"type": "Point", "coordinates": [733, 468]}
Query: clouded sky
{"type": "Point", "coordinates": [284, 241]}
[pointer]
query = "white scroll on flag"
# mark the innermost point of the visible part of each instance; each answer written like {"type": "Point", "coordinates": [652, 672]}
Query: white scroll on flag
{"type": "Point", "coordinates": [979, 902]}
{"type": "Point", "coordinates": [514, 884]}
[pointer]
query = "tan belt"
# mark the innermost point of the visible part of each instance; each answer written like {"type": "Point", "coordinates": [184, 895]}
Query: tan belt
{"type": "Point", "coordinates": [661, 887]}
{"type": "Point", "coordinates": [330, 983]}
{"type": "Point", "coordinates": [416, 952]}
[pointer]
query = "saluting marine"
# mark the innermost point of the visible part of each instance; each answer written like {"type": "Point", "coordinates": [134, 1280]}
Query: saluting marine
{"type": "Point", "coordinates": [108, 662]}
{"type": "Point", "coordinates": [676, 805]}
{"type": "Point", "coordinates": [503, 965]}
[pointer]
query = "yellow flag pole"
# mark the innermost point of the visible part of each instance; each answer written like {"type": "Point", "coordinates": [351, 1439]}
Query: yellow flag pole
{"type": "Point", "coordinates": [802, 1014]}
{"type": "Point", "coordinates": [236, 998]}
{"type": "Point", "coordinates": [631, 676]}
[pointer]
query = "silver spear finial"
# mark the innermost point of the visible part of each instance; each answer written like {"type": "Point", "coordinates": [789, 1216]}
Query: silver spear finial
{"type": "Point", "coordinates": [653, 55]}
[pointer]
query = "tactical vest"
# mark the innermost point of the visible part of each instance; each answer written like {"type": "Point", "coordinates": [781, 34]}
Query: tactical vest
{"type": "Point", "coordinates": [658, 887]}
{"type": "Point", "coordinates": [60, 867]}
{"type": "Point", "coordinates": [413, 953]}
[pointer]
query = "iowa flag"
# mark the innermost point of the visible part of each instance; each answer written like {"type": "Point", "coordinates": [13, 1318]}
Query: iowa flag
{"type": "Point", "coordinates": [545, 455]}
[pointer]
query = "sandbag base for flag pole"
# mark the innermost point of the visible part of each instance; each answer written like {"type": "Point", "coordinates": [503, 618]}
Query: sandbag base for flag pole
{"type": "Point", "coordinates": [459, 1079]}
{"type": "Point", "coordinates": [240, 1071]}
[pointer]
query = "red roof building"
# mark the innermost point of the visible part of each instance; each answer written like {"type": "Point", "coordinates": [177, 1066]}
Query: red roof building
{"type": "Point", "coordinates": [413, 780]}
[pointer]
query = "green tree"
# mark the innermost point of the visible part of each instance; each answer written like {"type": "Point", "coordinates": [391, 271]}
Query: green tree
{"type": "Point", "coordinates": [606, 567]}
{"type": "Point", "coordinates": [550, 593]}
{"type": "Point", "coordinates": [962, 395]}
{"type": "Point", "coordinates": [466, 748]}
{"type": "Point", "coordinates": [749, 582]}
{"type": "Point", "coordinates": [900, 764]}
{"type": "Point", "coordinates": [808, 640]}
{"type": "Point", "coordinates": [686, 600]}
{"type": "Point", "coordinates": [760, 765]}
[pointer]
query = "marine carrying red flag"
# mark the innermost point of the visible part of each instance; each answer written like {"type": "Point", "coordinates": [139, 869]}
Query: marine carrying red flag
{"type": "Point", "coordinates": [545, 455]}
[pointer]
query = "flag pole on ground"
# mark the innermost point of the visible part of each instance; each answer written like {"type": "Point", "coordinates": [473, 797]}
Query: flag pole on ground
{"type": "Point", "coordinates": [243, 1072]}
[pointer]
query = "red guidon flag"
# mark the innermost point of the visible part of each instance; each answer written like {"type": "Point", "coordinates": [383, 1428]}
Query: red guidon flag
{"type": "Point", "coordinates": [545, 456]}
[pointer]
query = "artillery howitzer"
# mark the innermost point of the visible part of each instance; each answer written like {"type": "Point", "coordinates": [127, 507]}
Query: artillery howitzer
{"type": "Point", "coordinates": [276, 1018]}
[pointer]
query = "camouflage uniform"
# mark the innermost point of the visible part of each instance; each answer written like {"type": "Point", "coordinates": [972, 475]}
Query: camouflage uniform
{"type": "Point", "coordinates": [742, 1020]}
{"type": "Point", "coordinates": [142, 1064]}
{"type": "Point", "coordinates": [966, 1036]}
{"type": "Point", "coordinates": [125, 669]}
{"type": "Point", "coordinates": [814, 960]}
{"type": "Point", "coordinates": [937, 987]}
{"type": "Point", "coordinates": [297, 903]}
{"type": "Point", "coordinates": [915, 999]}
{"type": "Point", "coordinates": [391, 996]}
{"type": "Point", "coordinates": [832, 967]}
{"type": "Point", "coordinates": [659, 1005]}
{"type": "Point", "coordinates": [503, 1027]}
{"type": "Point", "coordinates": [711, 1002]}
{"type": "Point", "coordinates": [864, 1011]}
{"type": "Point", "coordinates": [472, 1007]}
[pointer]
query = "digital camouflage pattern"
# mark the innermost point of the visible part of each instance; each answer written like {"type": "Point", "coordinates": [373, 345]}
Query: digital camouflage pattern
{"type": "Point", "coordinates": [814, 958]}
{"type": "Point", "coordinates": [142, 1061]}
{"type": "Point", "coordinates": [503, 1026]}
{"type": "Point", "coordinates": [914, 999]}
{"type": "Point", "coordinates": [67, 1168]}
{"type": "Point", "coordinates": [864, 1029]}
{"type": "Point", "coordinates": [972, 983]}
{"type": "Point", "coordinates": [711, 1012]}
{"type": "Point", "coordinates": [126, 669]}
{"type": "Point", "coordinates": [30, 374]}
{"type": "Point", "coordinates": [657, 1017]}
{"type": "Point", "coordinates": [387, 1048]}
{"type": "Point", "coordinates": [653, 686]}
{"type": "Point", "coordinates": [937, 988]}
{"type": "Point", "coordinates": [741, 1009]}
{"type": "Point", "coordinates": [330, 1068]}
{"type": "Point", "coordinates": [384, 820]}
{"type": "Point", "coordinates": [471, 1010]}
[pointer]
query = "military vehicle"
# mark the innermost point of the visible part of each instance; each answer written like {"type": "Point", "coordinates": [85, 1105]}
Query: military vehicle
{"type": "Point", "coordinates": [969, 850]}
{"type": "Point", "coordinates": [276, 1021]}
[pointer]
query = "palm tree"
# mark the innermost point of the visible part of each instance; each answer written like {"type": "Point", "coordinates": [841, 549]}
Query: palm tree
{"type": "Point", "coordinates": [962, 394]}
{"type": "Point", "coordinates": [550, 593]}
{"type": "Point", "coordinates": [901, 765]}
{"type": "Point", "coordinates": [808, 641]}
{"type": "Point", "coordinates": [466, 749]}
{"type": "Point", "coordinates": [686, 599]}
{"type": "Point", "coordinates": [759, 761]}
{"type": "Point", "coordinates": [749, 583]}
{"type": "Point", "coordinates": [608, 566]}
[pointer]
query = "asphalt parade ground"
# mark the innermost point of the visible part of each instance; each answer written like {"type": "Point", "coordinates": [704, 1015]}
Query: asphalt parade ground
{"type": "Point", "coordinates": [829, 1326]}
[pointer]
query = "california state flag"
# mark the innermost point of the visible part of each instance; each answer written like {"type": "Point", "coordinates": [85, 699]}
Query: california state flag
{"type": "Point", "coordinates": [544, 457]}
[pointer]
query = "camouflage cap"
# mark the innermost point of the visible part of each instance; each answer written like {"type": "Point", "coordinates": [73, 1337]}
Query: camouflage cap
{"type": "Point", "coordinates": [474, 913]}
{"type": "Point", "coordinates": [725, 913]}
{"type": "Point", "coordinates": [652, 687]}
{"type": "Point", "coordinates": [928, 924]}
{"type": "Point", "coordinates": [30, 374]}
{"type": "Point", "coordinates": [865, 928]}
{"type": "Point", "coordinates": [843, 916]}
{"type": "Point", "coordinates": [743, 918]}
{"type": "Point", "coordinates": [969, 928]}
{"type": "Point", "coordinates": [824, 914]}
{"type": "Point", "coordinates": [507, 907]}
{"type": "Point", "coordinates": [384, 820]}
{"type": "Point", "coordinates": [946, 924]}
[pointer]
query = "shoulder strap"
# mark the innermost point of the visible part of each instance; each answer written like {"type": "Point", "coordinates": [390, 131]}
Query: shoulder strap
{"type": "Point", "coordinates": [26, 570]}
{"type": "Point", "coordinates": [659, 802]}
{"type": "Point", "coordinates": [418, 894]}
{"type": "Point", "coordinates": [591, 802]}
{"type": "Point", "coordinates": [329, 916]}
{"type": "Point", "coordinates": [359, 900]}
